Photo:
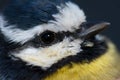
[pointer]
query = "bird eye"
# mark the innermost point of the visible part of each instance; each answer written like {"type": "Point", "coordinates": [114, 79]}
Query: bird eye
{"type": "Point", "coordinates": [48, 37]}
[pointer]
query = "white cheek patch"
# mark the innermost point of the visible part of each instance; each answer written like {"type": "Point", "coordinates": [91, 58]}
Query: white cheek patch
{"type": "Point", "coordinates": [46, 57]}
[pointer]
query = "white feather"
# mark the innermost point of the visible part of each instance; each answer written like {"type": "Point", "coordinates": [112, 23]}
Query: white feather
{"type": "Point", "coordinates": [70, 16]}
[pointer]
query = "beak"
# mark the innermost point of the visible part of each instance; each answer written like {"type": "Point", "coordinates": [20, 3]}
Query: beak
{"type": "Point", "coordinates": [92, 30]}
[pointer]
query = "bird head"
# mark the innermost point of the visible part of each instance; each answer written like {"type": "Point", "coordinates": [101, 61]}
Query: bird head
{"type": "Point", "coordinates": [42, 36]}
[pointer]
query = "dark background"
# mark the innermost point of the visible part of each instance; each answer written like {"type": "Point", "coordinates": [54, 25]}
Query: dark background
{"type": "Point", "coordinates": [104, 10]}
{"type": "Point", "coordinates": [100, 10]}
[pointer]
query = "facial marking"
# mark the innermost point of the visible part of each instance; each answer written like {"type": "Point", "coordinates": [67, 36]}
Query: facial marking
{"type": "Point", "coordinates": [69, 18]}
{"type": "Point", "coordinates": [46, 57]}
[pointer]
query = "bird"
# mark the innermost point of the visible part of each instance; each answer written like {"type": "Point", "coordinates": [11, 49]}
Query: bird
{"type": "Point", "coordinates": [52, 40]}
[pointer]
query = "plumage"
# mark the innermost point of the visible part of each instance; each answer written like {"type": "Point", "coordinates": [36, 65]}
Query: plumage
{"type": "Point", "coordinates": [52, 40]}
{"type": "Point", "coordinates": [106, 67]}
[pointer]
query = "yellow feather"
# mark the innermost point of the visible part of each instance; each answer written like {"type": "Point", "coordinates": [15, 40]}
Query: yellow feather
{"type": "Point", "coordinates": [106, 67]}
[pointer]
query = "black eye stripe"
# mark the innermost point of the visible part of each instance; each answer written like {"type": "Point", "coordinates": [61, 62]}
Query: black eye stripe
{"type": "Point", "coordinates": [37, 43]}
{"type": "Point", "coordinates": [59, 36]}
{"type": "Point", "coordinates": [45, 39]}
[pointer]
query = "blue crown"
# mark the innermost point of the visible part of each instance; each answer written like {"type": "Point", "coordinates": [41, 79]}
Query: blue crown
{"type": "Point", "coordinates": [28, 13]}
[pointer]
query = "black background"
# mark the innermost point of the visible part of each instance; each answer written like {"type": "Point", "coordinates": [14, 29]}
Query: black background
{"type": "Point", "coordinates": [100, 10]}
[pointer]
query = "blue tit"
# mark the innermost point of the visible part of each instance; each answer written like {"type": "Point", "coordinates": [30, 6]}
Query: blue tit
{"type": "Point", "coordinates": [52, 40]}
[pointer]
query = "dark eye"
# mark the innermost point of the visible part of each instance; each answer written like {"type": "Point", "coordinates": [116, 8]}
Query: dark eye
{"type": "Point", "coordinates": [47, 37]}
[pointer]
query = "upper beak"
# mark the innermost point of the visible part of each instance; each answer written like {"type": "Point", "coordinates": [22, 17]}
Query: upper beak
{"type": "Point", "coordinates": [92, 30]}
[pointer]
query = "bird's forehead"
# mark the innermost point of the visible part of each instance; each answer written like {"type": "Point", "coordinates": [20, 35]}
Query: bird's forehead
{"type": "Point", "coordinates": [69, 18]}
